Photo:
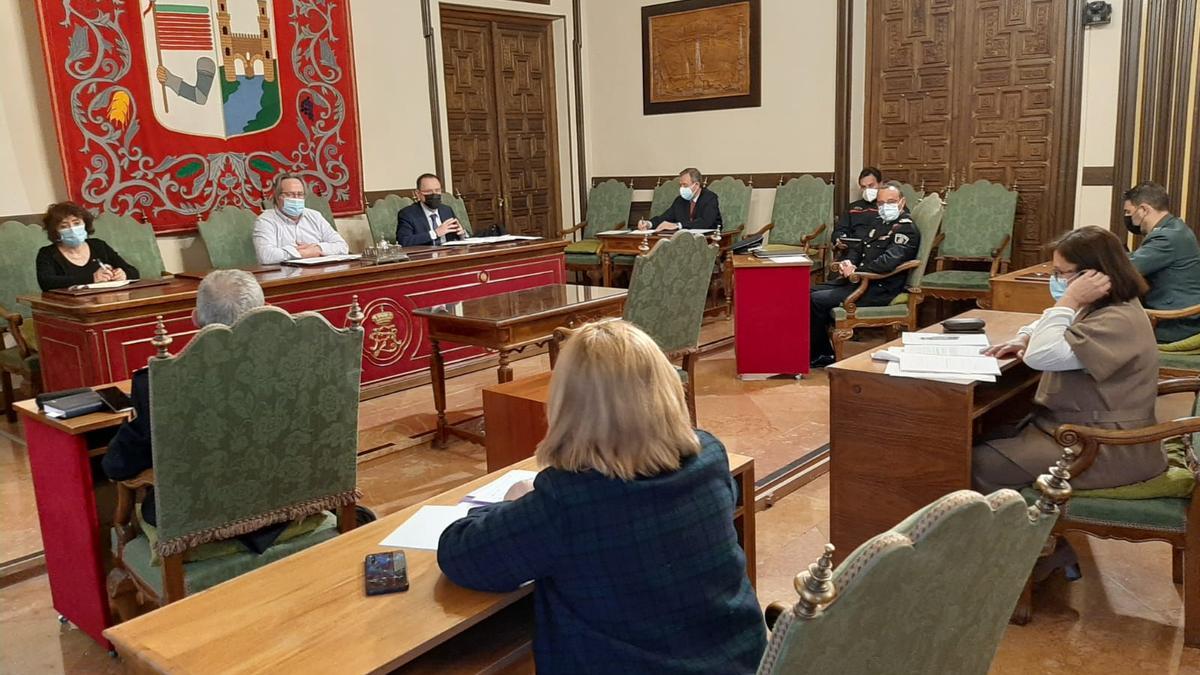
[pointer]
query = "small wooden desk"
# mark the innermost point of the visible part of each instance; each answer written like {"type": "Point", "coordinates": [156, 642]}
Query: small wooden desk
{"type": "Point", "coordinates": [308, 613]}
{"type": "Point", "coordinates": [1025, 290]}
{"type": "Point", "coordinates": [60, 466]}
{"type": "Point", "coordinates": [896, 444]}
{"type": "Point", "coordinates": [509, 322]}
{"type": "Point", "coordinates": [631, 243]}
{"type": "Point", "coordinates": [770, 323]}
{"type": "Point", "coordinates": [516, 419]}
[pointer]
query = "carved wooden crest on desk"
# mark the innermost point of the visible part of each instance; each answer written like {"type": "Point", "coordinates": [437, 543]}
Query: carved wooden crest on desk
{"type": "Point", "coordinates": [700, 55]}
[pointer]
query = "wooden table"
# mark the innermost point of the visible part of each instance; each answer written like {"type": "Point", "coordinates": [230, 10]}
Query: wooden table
{"type": "Point", "coordinates": [60, 466]}
{"type": "Point", "coordinates": [507, 323]}
{"type": "Point", "coordinates": [308, 613]}
{"type": "Point", "coordinates": [770, 322]}
{"type": "Point", "coordinates": [1024, 290]}
{"type": "Point", "coordinates": [516, 419]}
{"type": "Point", "coordinates": [896, 444]}
{"type": "Point", "coordinates": [94, 339]}
{"type": "Point", "coordinates": [637, 242]}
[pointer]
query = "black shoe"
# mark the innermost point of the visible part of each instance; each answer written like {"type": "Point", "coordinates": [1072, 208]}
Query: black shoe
{"type": "Point", "coordinates": [822, 361]}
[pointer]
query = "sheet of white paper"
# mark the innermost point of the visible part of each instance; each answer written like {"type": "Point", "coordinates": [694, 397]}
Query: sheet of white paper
{"type": "Point", "coordinates": [800, 257]}
{"type": "Point", "coordinates": [893, 368]}
{"type": "Point", "coordinates": [945, 339]}
{"type": "Point", "coordinates": [324, 259]}
{"type": "Point", "coordinates": [966, 365]}
{"type": "Point", "coordinates": [499, 239]}
{"type": "Point", "coordinates": [425, 527]}
{"type": "Point", "coordinates": [494, 491]}
{"type": "Point", "coordinates": [891, 354]}
{"type": "Point", "coordinates": [943, 350]}
{"type": "Point", "coordinates": [107, 284]}
{"type": "Point", "coordinates": [637, 232]}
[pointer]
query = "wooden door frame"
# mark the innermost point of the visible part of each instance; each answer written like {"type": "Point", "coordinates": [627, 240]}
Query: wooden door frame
{"type": "Point", "coordinates": [528, 19]}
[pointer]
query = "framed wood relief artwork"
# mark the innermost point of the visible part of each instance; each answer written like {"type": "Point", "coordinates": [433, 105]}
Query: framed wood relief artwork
{"type": "Point", "coordinates": [701, 55]}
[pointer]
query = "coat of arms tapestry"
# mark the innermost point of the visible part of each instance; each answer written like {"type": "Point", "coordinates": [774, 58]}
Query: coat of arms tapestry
{"type": "Point", "coordinates": [168, 109]}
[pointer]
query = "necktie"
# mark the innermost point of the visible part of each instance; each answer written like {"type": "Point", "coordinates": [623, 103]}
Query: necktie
{"type": "Point", "coordinates": [692, 210]}
{"type": "Point", "coordinates": [433, 226]}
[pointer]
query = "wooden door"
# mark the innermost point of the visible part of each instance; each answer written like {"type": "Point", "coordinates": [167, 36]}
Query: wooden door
{"type": "Point", "coordinates": [502, 119]}
{"type": "Point", "coordinates": [971, 89]}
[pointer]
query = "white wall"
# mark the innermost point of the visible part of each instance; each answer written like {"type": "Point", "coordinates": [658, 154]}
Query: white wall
{"type": "Point", "coordinates": [1098, 117]}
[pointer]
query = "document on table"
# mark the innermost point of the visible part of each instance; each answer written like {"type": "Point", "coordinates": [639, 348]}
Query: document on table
{"type": "Point", "coordinates": [945, 339]}
{"type": "Point", "coordinates": [499, 239]}
{"type": "Point", "coordinates": [494, 491]}
{"type": "Point", "coordinates": [104, 284]}
{"type": "Point", "coordinates": [942, 350]}
{"type": "Point", "coordinates": [894, 369]}
{"type": "Point", "coordinates": [323, 259]}
{"type": "Point", "coordinates": [425, 527]}
{"type": "Point", "coordinates": [797, 258]}
{"type": "Point", "coordinates": [637, 232]}
{"type": "Point", "coordinates": [954, 365]}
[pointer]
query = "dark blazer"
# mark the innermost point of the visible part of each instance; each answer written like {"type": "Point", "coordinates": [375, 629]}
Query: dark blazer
{"type": "Point", "coordinates": [412, 225]}
{"type": "Point", "coordinates": [55, 271]}
{"type": "Point", "coordinates": [708, 213]}
{"type": "Point", "coordinates": [1169, 258]}
{"type": "Point", "coordinates": [641, 576]}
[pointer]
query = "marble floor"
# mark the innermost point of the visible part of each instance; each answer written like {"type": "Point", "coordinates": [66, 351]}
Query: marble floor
{"type": "Point", "coordinates": [1124, 616]}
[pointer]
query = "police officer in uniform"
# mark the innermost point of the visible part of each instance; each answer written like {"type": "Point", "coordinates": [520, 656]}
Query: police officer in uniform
{"type": "Point", "coordinates": [889, 240]}
{"type": "Point", "coordinates": [860, 215]}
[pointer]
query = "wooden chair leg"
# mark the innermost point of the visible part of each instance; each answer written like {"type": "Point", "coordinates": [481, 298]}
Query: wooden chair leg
{"type": "Point", "coordinates": [1177, 558]}
{"type": "Point", "coordinates": [6, 384]}
{"type": "Point", "coordinates": [173, 584]}
{"type": "Point", "coordinates": [1191, 597]}
{"type": "Point", "coordinates": [347, 519]}
{"type": "Point", "coordinates": [1023, 612]}
{"type": "Point", "coordinates": [689, 389]}
{"type": "Point", "coordinates": [839, 338]}
{"type": "Point", "coordinates": [122, 594]}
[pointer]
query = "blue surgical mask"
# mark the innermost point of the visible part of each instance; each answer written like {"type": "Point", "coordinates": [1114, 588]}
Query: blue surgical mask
{"type": "Point", "coordinates": [73, 236]}
{"type": "Point", "coordinates": [686, 193]}
{"type": "Point", "coordinates": [293, 206]}
{"type": "Point", "coordinates": [889, 212]}
{"type": "Point", "coordinates": [1058, 287]}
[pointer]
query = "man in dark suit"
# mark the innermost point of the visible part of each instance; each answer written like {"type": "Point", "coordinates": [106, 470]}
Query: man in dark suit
{"type": "Point", "coordinates": [428, 222]}
{"type": "Point", "coordinates": [694, 209]}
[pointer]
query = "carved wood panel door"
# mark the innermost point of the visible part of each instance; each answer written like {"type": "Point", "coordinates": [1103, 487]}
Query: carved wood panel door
{"type": "Point", "coordinates": [980, 89]}
{"type": "Point", "coordinates": [501, 107]}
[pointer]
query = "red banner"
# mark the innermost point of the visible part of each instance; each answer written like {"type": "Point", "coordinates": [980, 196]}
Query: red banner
{"type": "Point", "coordinates": [168, 109]}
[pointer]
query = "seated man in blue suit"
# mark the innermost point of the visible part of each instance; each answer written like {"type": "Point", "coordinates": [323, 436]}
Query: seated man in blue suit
{"type": "Point", "coordinates": [428, 222]}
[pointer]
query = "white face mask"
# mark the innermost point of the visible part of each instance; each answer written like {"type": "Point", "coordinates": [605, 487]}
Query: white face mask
{"type": "Point", "coordinates": [686, 193]}
{"type": "Point", "coordinates": [869, 194]}
{"type": "Point", "coordinates": [889, 212]}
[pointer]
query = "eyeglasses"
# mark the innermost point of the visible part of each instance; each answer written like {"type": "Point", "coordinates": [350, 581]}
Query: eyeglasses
{"type": "Point", "coordinates": [1063, 277]}
{"type": "Point", "coordinates": [294, 195]}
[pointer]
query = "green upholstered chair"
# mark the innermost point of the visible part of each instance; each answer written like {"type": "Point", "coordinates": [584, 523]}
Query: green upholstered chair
{"type": "Point", "coordinates": [902, 312]}
{"type": "Point", "coordinates": [912, 195]}
{"type": "Point", "coordinates": [383, 217]}
{"type": "Point", "coordinates": [1172, 517]}
{"type": "Point", "coordinates": [734, 200]}
{"type": "Point", "coordinates": [246, 435]}
{"type": "Point", "coordinates": [664, 195]}
{"type": "Point", "coordinates": [228, 234]}
{"type": "Point", "coordinates": [801, 218]}
{"type": "Point", "coordinates": [607, 209]}
{"type": "Point", "coordinates": [667, 294]}
{"type": "Point", "coordinates": [931, 595]}
{"type": "Point", "coordinates": [977, 229]}
{"type": "Point", "coordinates": [134, 241]}
{"type": "Point", "coordinates": [459, 206]}
{"type": "Point", "coordinates": [1181, 358]}
{"type": "Point", "coordinates": [19, 244]}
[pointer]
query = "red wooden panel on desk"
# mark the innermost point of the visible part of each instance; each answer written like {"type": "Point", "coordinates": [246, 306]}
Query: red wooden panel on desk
{"type": "Point", "coordinates": [771, 316]}
{"type": "Point", "coordinates": [66, 505]}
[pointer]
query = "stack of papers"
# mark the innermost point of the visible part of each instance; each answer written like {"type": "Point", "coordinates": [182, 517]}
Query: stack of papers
{"type": "Point", "coordinates": [425, 527]}
{"type": "Point", "coordinates": [500, 239]}
{"type": "Point", "coordinates": [794, 258]}
{"type": "Point", "coordinates": [323, 259]}
{"type": "Point", "coordinates": [941, 357]}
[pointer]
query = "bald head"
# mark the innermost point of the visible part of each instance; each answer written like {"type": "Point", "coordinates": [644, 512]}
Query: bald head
{"type": "Point", "coordinates": [225, 295]}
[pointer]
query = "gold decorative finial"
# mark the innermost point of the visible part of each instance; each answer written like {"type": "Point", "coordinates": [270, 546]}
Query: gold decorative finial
{"type": "Point", "coordinates": [644, 247]}
{"type": "Point", "coordinates": [1054, 486]}
{"type": "Point", "coordinates": [161, 339]}
{"type": "Point", "coordinates": [780, 181]}
{"type": "Point", "coordinates": [815, 586]}
{"type": "Point", "coordinates": [751, 182]}
{"type": "Point", "coordinates": [355, 316]}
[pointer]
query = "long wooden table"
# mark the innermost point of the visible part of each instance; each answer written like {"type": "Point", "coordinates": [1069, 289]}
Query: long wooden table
{"type": "Point", "coordinates": [1023, 290]}
{"type": "Point", "coordinates": [94, 339]}
{"type": "Point", "coordinates": [308, 613]}
{"type": "Point", "coordinates": [896, 444]}
{"type": "Point", "coordinates": [506, 323]}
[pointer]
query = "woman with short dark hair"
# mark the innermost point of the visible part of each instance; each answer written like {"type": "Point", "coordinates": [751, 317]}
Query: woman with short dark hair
{"type": "Point", "coordinates": [74, 257]}
{"type": "Point", "coordinates": [1099, 360]}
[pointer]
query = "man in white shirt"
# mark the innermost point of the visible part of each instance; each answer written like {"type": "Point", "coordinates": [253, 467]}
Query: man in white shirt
{"type": "Point", "coordinates": [290, 230]}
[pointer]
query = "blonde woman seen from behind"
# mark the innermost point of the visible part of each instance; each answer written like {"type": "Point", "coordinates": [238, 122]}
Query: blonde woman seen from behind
{"type": "Point", "coordinates": [628, 528]}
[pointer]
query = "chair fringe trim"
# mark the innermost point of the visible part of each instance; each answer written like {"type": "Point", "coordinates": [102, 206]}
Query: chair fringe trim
{"type": "Point", "coordinates": [176, 545]}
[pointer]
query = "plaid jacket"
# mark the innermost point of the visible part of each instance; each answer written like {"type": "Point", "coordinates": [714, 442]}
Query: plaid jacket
{"type": "Point", "coordinates": [643, 576]}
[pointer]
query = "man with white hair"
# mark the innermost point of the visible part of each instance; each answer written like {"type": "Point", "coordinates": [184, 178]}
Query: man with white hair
{"type": "Point", "coordinates": [290, 230]}
{"type": "Point", "coordinates": [223, 297]}
{"type": "Point", "coordinates": [884, 243]}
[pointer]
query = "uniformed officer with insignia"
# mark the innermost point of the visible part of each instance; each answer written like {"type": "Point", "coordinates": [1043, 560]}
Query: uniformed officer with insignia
{"type": "Point", "coordinates": [859, 215]}
{"type": "Point", "coordinates": [889, 240]}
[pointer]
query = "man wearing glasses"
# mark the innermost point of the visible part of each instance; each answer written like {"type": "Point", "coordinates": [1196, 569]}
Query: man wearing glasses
{"type": "Point", "coordinates": [428, 222]}
{"type": "Point", "coordinates": [290, 230]}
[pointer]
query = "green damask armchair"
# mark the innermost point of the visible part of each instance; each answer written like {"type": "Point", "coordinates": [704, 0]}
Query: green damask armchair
{"type": "Point", "coordinates": [902, 312]}
{"type": "Point", "coordinates": [734, 201]}
{"type": "Point", "coordinates": [19, 244]}
{"type": "Point", "coordinates": [931, 595]}
{"type": "Point", "coordinates": [1165, 508]}
{"type": "Point", "coordinates": [802, 218]}
{"type": "Point", "coordinates": [667, 294]}
{"type": "Point", "coordinates": [456, 203]}
{"type": "Point", "coordinates": [664, 195]}
{"type": "Point", "coordinates": [383, 217]}
{"type": "Point", "coordinates": [912, 196]}
{"type": "Point", "coordinates": [134, 241]}
{"type": "Point", "coordinates": [246, 435]}
{"type": "Point", "coordinates": [228, 234]}
{"type": "Point", "coordinates": [977, 229]}
{"type": "Point", "coordinates": [1180, 358]}
{"type": "Point", "coordinates": [607, 209]}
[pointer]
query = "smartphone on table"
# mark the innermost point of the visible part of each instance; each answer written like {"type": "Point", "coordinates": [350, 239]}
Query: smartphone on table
{"type": "Point", "coordinates": [386, 573]}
